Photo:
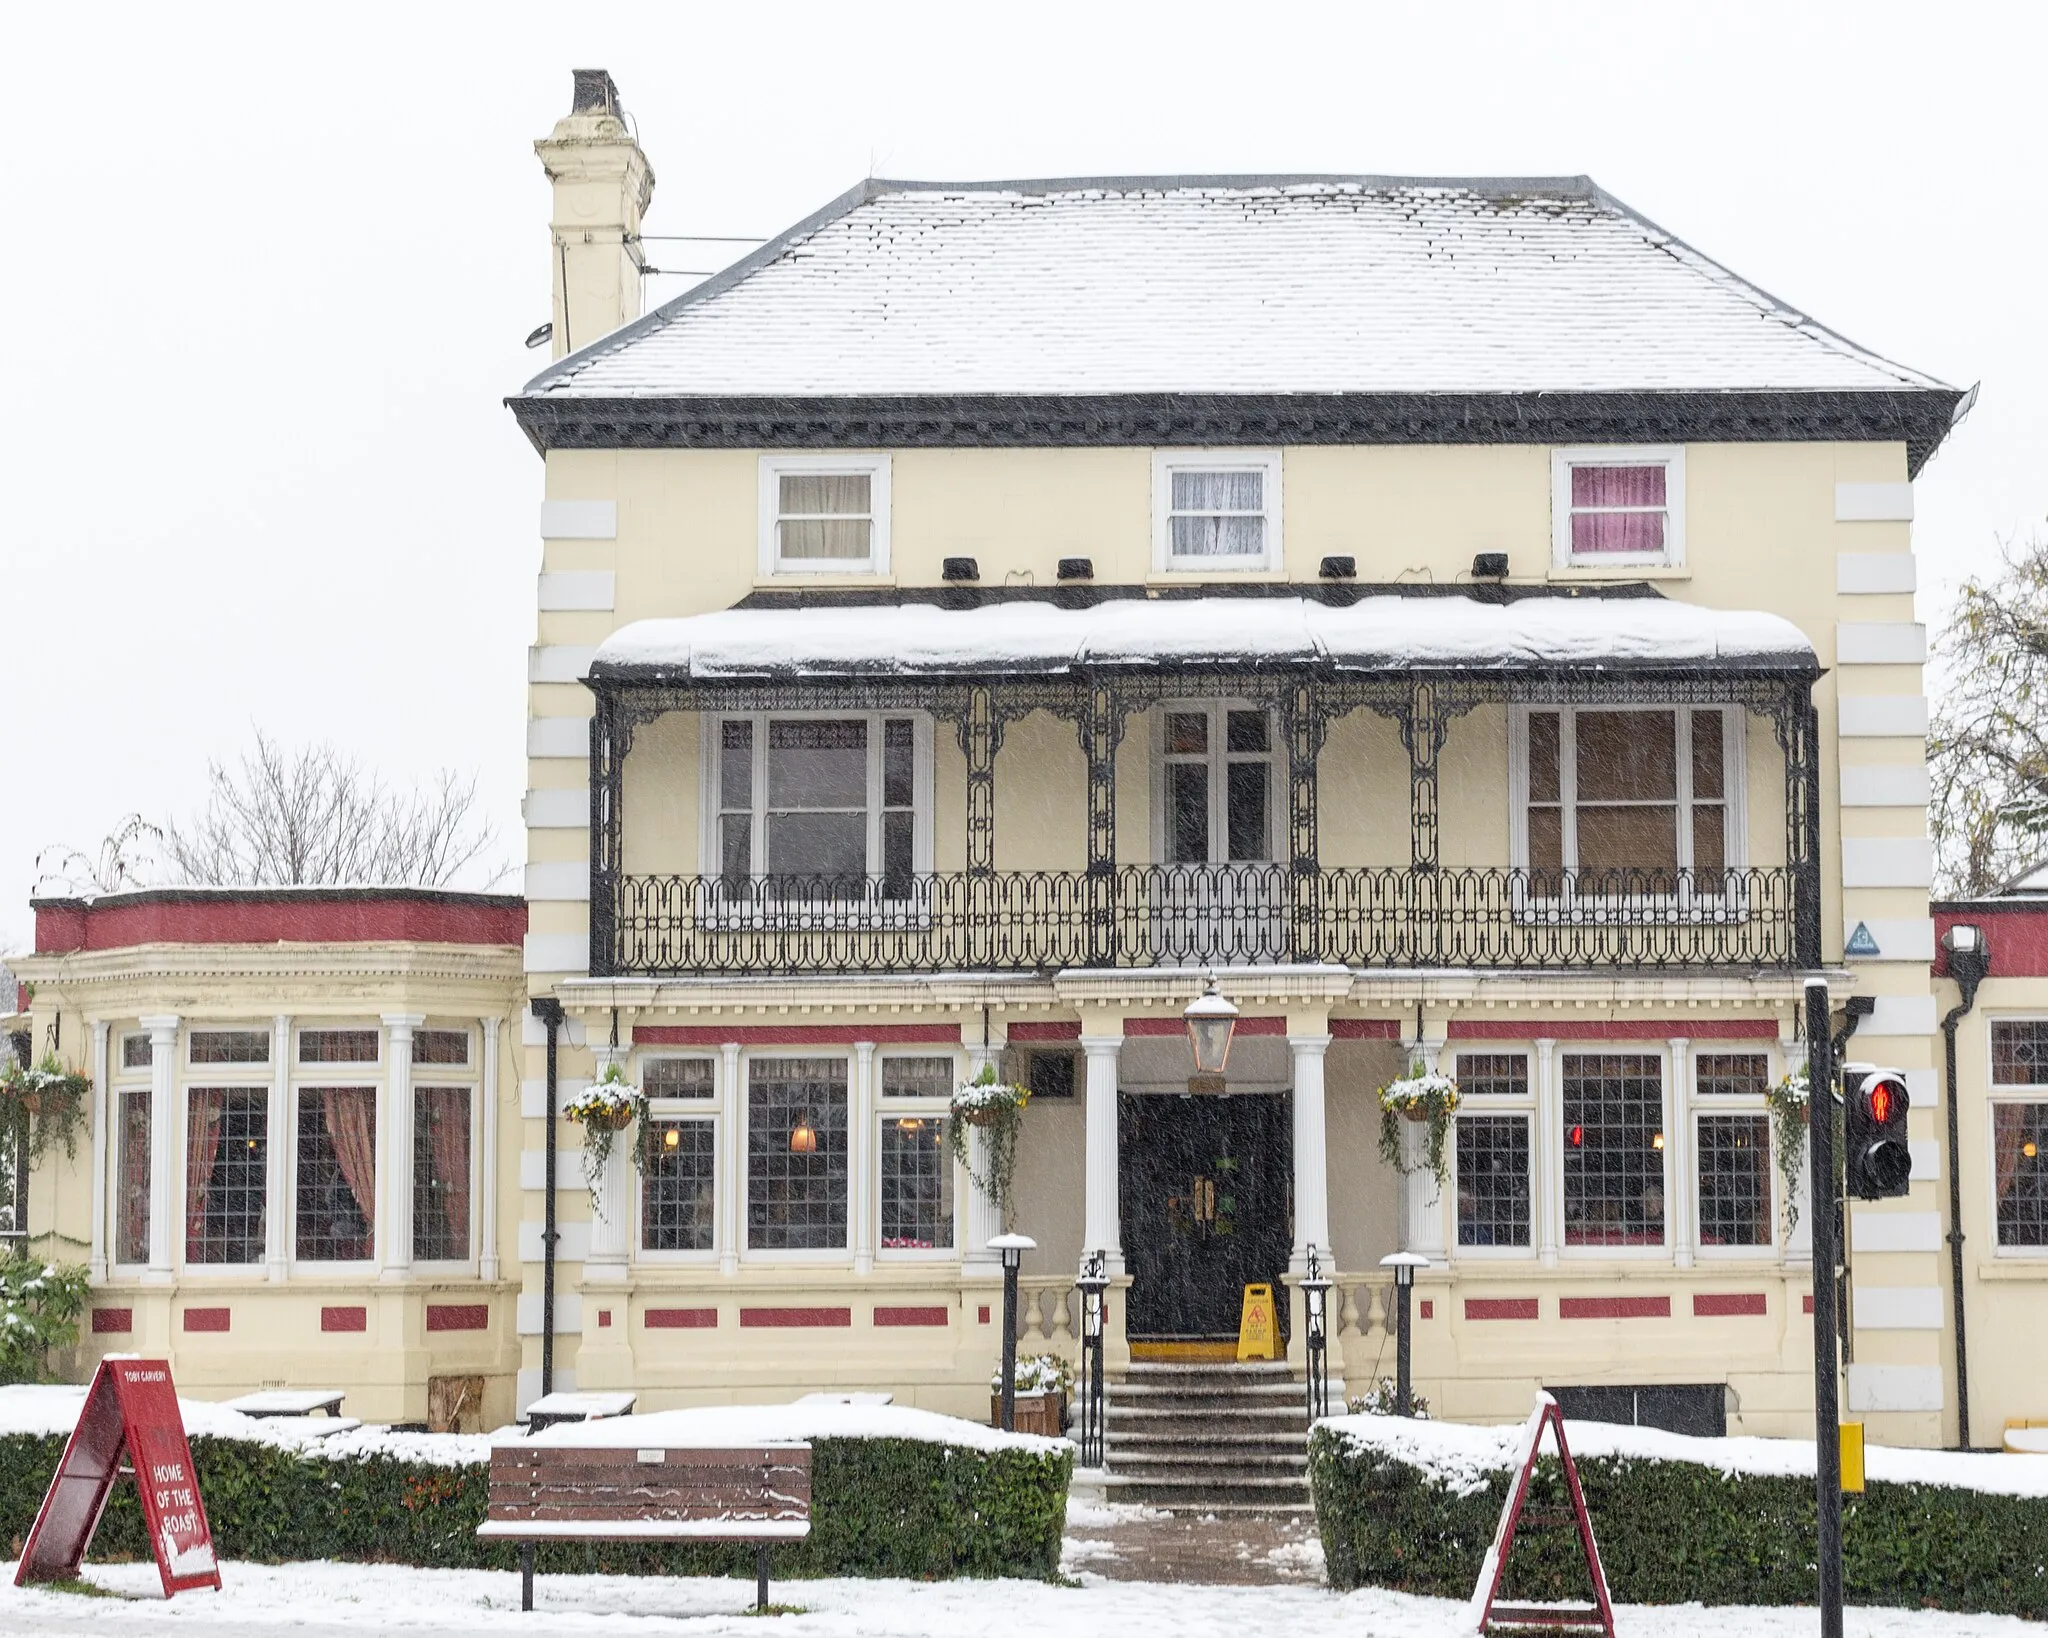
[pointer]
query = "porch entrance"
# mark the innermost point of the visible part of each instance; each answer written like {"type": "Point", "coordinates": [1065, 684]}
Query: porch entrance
{"type": "Point", "coordinates": [1206, 1184]}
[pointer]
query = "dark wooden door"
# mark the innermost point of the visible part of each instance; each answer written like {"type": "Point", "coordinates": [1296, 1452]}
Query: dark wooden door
{"type": "Point", "coordinates": [1206, 1191]}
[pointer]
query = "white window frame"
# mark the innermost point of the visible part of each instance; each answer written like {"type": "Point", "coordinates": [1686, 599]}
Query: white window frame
{"type": "Point", "coordinates": [239, 1078]}
{"type": "Point", "coordinates": [1165, 462]}
{"type": "Point", "coordinates": [1734, 780]}
{"type": "Point", "coordinates": [831, 1256]}
{"type": "Point", "coordinates": [305, 1077]}
{"type": "Point", "coordinates": [922, 801]}
{"type": "Point", "coordinates": [1218, 756]}
{"type": "Point", "coordinates": [1526, 1108]}
{"type": "Point", "coordinates": [773, 468]}
{"type": "Point", "coordinates": [706, 1111]}
{"type": "Point", "coordinates": [1701, 1107]}
{"type": "Point", "coordinates": [124, 1079]}
{"type": "Point", "coordinates": [467, 1076]}
{"type": "Point", "coordinates": [1669, 456]}
{"type": "Point", "coordinates": [887, 1108]}
{"type": "Point", "coordinates": [2000, 1092]}
{"type": "Point", "coordinates": [1674, 1198]}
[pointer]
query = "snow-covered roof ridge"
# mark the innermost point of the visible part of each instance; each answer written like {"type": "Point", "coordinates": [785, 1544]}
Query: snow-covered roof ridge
{"type": "Point", "coordinates": [1223, 284]}
{"type": "Point", "coordinates": [1378, 633]}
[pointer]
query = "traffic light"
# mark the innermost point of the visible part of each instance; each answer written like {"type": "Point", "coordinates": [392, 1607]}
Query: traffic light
{"type": "Point", "coordinates": [1879, 1165]}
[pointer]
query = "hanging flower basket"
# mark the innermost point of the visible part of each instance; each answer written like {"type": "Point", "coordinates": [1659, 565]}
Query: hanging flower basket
{"type": "Point", "coordinates": [42, 1105]}
{"type": "Point", "coordinates": [1791, 1103]}
{"type": "Point", "coordinates": [996, 1109]}
{"type": "Point", "coordinates": [607, 1108]}
{"type": "Point", "coordinates": [1422, 1097]}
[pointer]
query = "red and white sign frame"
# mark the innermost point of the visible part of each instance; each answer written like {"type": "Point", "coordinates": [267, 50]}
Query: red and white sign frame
{"type": "Point", "coordinates": [1495, 1567]}
{"type": "Point", "coordinates": [131, 1410]}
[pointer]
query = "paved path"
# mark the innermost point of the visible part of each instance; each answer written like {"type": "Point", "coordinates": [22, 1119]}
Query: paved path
{"type": "Point", "coordinates": [1138, 1544]}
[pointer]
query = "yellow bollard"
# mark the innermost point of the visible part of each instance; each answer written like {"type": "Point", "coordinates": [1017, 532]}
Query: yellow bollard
{"type": "Point", "coordinates": [1852, 1458]}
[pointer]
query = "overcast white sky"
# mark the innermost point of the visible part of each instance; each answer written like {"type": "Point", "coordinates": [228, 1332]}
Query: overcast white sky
{"type": "Point", "coordinates": [267, 274]}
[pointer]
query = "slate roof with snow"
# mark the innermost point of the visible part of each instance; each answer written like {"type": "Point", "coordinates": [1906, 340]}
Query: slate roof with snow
{"type": "Point", "coordinates": [1376, 633]}
{"type": "Point", "coordinates": [1223, 285]}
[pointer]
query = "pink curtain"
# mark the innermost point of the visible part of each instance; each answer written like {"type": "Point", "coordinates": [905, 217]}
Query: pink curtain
{"type": "Point", "coordinates": [133, 1237]}
{"type": "Point", "coordinates": [1596, 531]}
{"type": "Point", "coordinates": [2008, 1134]}
{"type": "Point", "coordinates": [448, 1107]}
{"type": "Point", "coordinates": [202, 1144]}
{"type": "Point", "coordinates": [351, 1116]}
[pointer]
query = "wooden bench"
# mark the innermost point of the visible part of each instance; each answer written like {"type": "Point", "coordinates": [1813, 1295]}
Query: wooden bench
{"type": "Point", "coordinates": [555, 1491]}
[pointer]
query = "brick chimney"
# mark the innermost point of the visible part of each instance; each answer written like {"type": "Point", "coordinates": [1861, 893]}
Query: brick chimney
{"type": "Point", "coordinates": [602, 183]}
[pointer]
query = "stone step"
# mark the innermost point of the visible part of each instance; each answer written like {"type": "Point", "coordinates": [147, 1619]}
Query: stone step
{"type": "Point", "coordinates": [1169, 1439]}
{"type": "Point", "coordinates": [1211, 1495]}
{"type": "Point", "coordinates": [1196, 1467]}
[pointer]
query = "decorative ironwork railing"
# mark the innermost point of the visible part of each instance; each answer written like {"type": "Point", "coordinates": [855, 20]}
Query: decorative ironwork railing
{"type": "Point", "coordinates": [1165, 915]}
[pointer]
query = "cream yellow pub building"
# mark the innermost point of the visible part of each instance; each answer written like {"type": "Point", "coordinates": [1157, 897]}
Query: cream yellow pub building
{"type": "Point", "coordinates": [1465, 619]}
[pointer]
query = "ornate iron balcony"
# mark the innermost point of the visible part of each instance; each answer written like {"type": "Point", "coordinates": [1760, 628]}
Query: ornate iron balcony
{"type": "Point", "coordinates": [1166, 915]}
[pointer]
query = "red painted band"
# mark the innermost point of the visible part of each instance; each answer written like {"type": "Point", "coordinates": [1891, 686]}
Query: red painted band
{"type": "Point", "coordinates": [1613, 1307]}
{"type": "Point", "coordinates": [1364, 1029]}
{"type": "Point", "coordinates": [1613, 1029]}
{"type": "Point", "coordinates": [1717, 1304]}
{"type": "Point", "coordinates": [1806, 1303]}
{"type": "Point", "coordinates": [2018, 934]}
{"type": "Point", "coordinates": [1500, 1308]}
{"type": "Point", "coordinates": [795, 1034]}
{"type": "Point", "coordinates": [1045, 1029]}
{"type": "Point", "coordinates": [912, 1316]}
{"type": "Point", "coordinates": [274, 916]}
{"type": "Point", "coordinates": [680, 1319]}
{"type": "Point", "coordinates": [458, 1316]}
{"type": "Point", "coordinates": [793, 1318]}
{"type": "Point", "coordinates": [345, 1319]}
{"type": "Point", "coordinates": [1134, 1027]}
{"type": "Point", "coordinates": [206, 1319]}
{"type": "Point", "coordinates": [115, 1320]}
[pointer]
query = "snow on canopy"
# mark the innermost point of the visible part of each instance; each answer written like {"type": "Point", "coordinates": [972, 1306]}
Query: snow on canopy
{"type": "Point", "coordinates": [1462, 1457]}
{"type": "Point", "coordinates": [1223, 285]}
{"type": "Point", "coordinates": [1374, 634]}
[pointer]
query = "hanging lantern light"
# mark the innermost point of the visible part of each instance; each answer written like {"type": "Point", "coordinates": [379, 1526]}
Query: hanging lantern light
{"type": "Point", "coordinates": [1211, 1022]}
{"type": "Point", "coordinates": [803, 1137]}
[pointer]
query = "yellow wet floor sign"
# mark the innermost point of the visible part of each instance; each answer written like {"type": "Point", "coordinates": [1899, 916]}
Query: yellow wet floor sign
{"type": "Point", "coordinates": [1257, 1334]}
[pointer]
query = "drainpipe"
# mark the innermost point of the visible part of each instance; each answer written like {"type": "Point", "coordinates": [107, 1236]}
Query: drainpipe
{"type": "Point", "coordinates": [1969, 963]}
{"type": "Point", "coordinates": [549, 1011]}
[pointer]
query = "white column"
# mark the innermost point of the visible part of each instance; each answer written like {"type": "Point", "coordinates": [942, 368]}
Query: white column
{"type": "Point", "coordinates": [732, 1139]}
{"type": "Point", "coordinates": [610, 1196]}
{"type": "Point", "coordinates": [1311, 1153]}
{"type": "Point", "coordinates": [96, 1263]}
{"type": "Point", "coordinates": [984, 1222]}
{"type": "Point", "coordinates": [487, 1153]}
{"type": "Point", "coordinates": [283, 1143]}
{"type": "Point", "coordinates": [863, 1170]}
{"type": "Point", "coordinates": [394, 1146]}
{"type": "Point", "coordinates": [1102, 1227]}
{"type": "Point", "coordinates": [163, 1079]}
{"type": "Point", "coordinates": [1681, 1182]}
{"type": "Point", "coordinates": [1548, 1194]}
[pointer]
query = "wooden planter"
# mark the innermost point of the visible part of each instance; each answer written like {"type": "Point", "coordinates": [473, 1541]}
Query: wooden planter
{"type": "Point", "coordinates": [1041, 1413]}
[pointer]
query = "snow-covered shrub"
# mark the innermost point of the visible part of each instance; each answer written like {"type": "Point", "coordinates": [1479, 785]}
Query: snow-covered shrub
{"type": "Point", "coordinates": [1381, 1398]}
{"type": "Point", "coordinates": [1724, 1521]}
{"type": "Point", "coordinates": [1037, 1373]}
{"type": "Point", "coordinates": [39, 1307]}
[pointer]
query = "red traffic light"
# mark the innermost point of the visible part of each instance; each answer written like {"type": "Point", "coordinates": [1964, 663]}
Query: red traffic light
{"type": "Point", "coordinates": [1879, 1162]}
{"type": "Point", "coordinates": [1881, 1102]}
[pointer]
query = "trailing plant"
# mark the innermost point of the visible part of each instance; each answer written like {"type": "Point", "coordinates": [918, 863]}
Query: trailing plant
{"type": "Point", "coordinates": [1381, 1398]}
{"type": "Point", "coordinates": [1422, 1096]}
{"type": "Point", "coordinates": [41, 1105]}
{"type": "Point", "coordinates": [996, 1109]}
{"type": "Point", "coordinates": [1791, 1105]}
{"type": "Point", "coordinates": [604, 1110]}
{"type": "Point", "coordinates": [39, 1307]}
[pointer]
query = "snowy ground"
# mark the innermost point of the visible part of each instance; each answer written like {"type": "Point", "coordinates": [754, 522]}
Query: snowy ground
{"type": "Point", "coordinates": [348, 1600]}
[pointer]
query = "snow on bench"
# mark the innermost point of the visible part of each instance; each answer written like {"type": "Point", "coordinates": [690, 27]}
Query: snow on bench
{"type": "Point", "coordinates": [554, 1408]}
{"type": "Point", "coordinates": [289, 1402]}
{"type": "Point", "coordinates": [558, 1491]}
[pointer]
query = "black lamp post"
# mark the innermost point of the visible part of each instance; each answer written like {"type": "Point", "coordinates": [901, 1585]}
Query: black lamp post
{"type": "Point", "coordinates": [1093, 1282]}
{"type": "Point", "coordinates": [1315, 1300]}
{"type": "Point", "coordinates": [1012, 1247]}
{"type": "Point", "coordinates": [1404, 1264]}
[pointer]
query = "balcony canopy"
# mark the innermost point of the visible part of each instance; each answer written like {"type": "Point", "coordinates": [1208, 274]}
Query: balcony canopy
{"type": "Point", "coordinates": [1376, 633]}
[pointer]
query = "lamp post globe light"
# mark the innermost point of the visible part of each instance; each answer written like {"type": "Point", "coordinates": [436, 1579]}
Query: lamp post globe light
{"type": "Point", "coordinates": [1211, 1021]}
{"type": "Point", "coordinates": [1011, 1248]}
{"type": "Point", "coordinates": [1404, 1264]}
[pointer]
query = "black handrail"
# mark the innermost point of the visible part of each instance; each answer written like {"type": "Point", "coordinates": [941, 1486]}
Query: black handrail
{"type": "Point", "coordinates": [1094, 1285]}
{"type": "Point", "coordinates": [1167, 915]}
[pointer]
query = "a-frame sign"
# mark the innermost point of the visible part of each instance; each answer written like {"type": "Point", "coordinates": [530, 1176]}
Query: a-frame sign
{"type": "Point", "coordinates": [1492, 1617]}
{"type": "Point", "coordinates": [131, 1410]}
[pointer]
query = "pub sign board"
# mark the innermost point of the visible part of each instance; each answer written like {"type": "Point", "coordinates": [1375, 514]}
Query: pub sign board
{"type": "Point", "coordinates": [131, 1410]}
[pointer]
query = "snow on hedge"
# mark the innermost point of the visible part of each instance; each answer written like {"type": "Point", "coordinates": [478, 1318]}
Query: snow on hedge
{"type": "Point", "coordinates": [1462, 1457]}
{"type": "Point", "coordinates": [714, 1427]}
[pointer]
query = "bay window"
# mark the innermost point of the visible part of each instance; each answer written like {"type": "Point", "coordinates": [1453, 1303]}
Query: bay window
{"type": "Point", "coordinates": [829, 807]}
{"type": "Point", "coordinates": [679, 1158]}
{"type": "Point", "coordinates": [916, 1166]}
{"type": "Point", "coordinates": [1621, 508]}
{"type": "Point", "coordinates": [227, 1143]}
{"type": "Point", "coordinates": [336, 1189]}
{"type": "Point", "coordinates": [1613, 1129]}
{"type": "Point", "coordinates": [1600, 791]}
{"type": "Point", "coordinates": [440, 1173]}
{"type": "Point", "coordinates": [797, 1154]}
{"type": "Point", "coordinates": [131, 1105]}
{"type": "Point", "coordinates": [2019, 1131]}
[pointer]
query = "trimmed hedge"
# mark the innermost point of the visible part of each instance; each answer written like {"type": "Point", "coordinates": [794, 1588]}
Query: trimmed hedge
{"type": "Point", "coordinates": [879, 1507]}
{"type": "Point", "coordinates": [1673, 1532]}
